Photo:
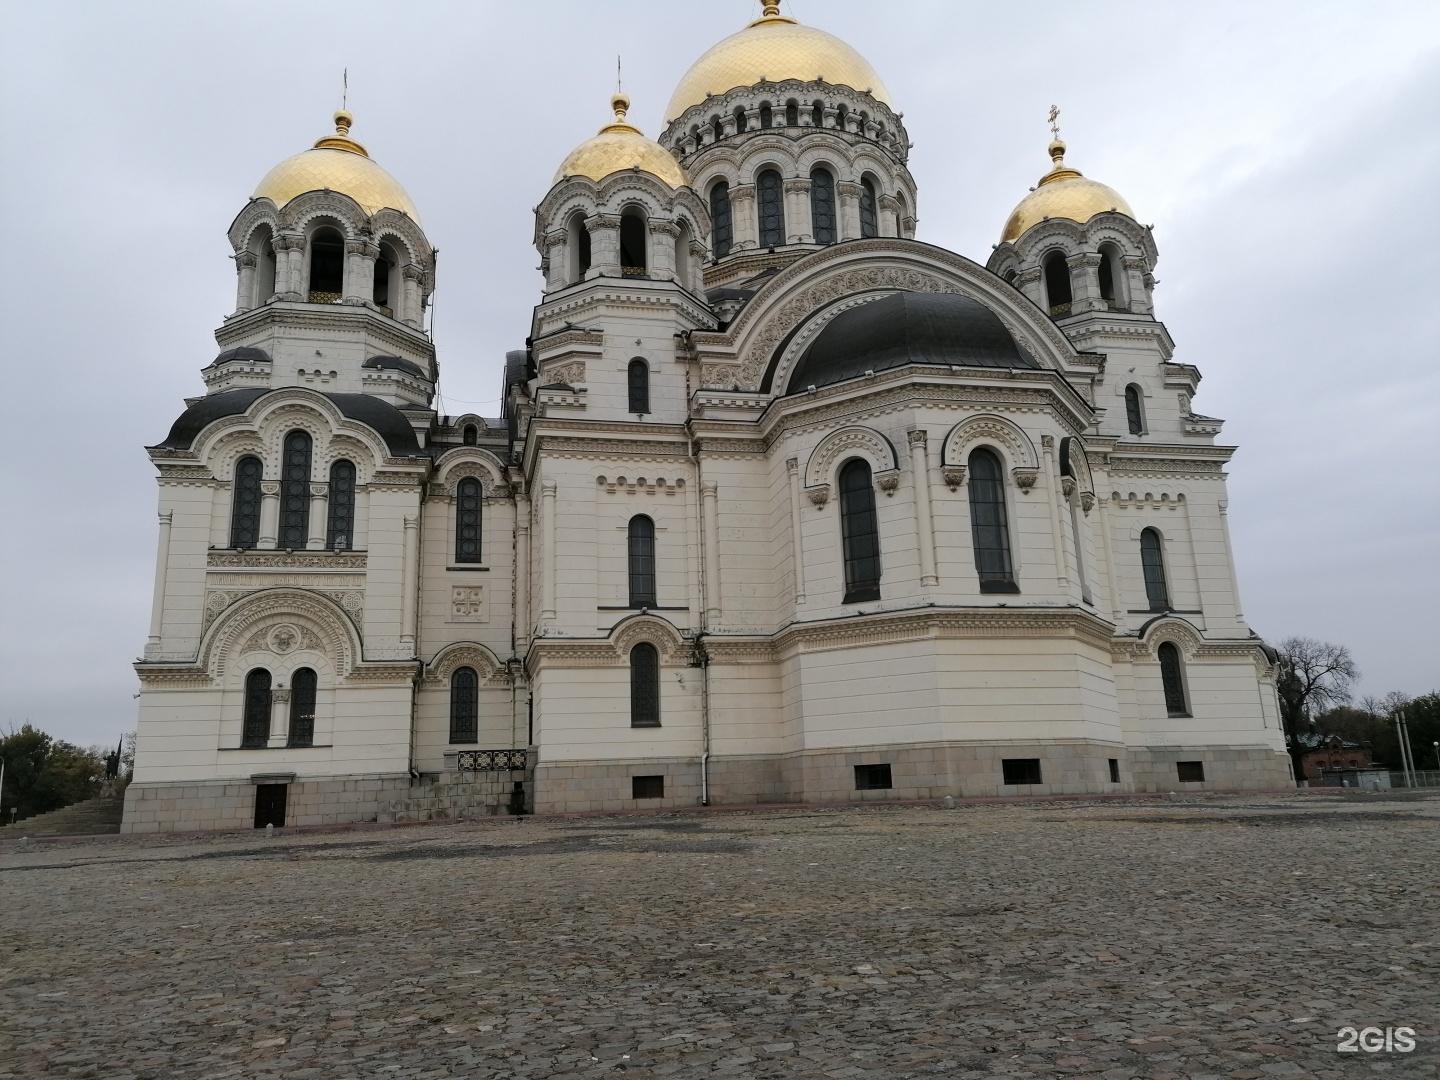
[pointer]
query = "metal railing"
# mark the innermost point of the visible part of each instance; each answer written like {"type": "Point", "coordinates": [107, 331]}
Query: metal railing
{"type": "Point", "coordinates": [489, 760]}
{"type": "Point", "coordinates": [1423, 778]}
{"type": "Point", "coordinates": [325, 297]}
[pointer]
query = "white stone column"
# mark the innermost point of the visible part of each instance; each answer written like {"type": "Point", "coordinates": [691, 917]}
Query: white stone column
{"type": "Point", "coordinates": [604, 246]}
{"type": "Point", "coordinates": [1224, 507]}
{"type": "Point", "coordinates": [359, 285]}
{"type": "Point", "coordinates": [289, 266]}
{"type": "Point", "coordinates": [279, 718]}
{"type": "Point", "coordinates": [245, 286]}
{"type": "Point", "coordinates": [1031, 283]}
{"type": "Point", "coordinates": [269, 513]}
{"type": "Point", "coordinates": [1112, 577]}
{"type": "Point", "coordinates": [848, 195]}
{"type": "Point", "coordinates": [889, 215]}
{"type": "Point", "coordinates": [709, 499]}
{"type": "Point", "coordinates": [799, 227]}
{"type": "Point", "coordinates": [744, 230]}
{"type": "Point", "coordinates": [797, 542]}
{"type": "Point", "coordinates": [557, 260]}
{"type": "Point", "coordinates": [1057, 534]}
{"type": "Point", "coordinates": [319, 519]}
{"type": "Point", "coordinates": [661, 257]}
{"type": "Point", "coordinates": [1085, 282]}
{"type": "Point", "coordinates": [414, 307]}
{"type": "Point", "coordinates": [1138, 283]}
{"type": "Point", "coordinates": [924, 521]}
{"type": "Point", "coordinates": [409, 601]}
{"type": "Point", "coordinates": [547, 554]}
{"type": "Point", "coordinates": [162, 569]}
{"type": "Point", "coordinates": [523, 578]}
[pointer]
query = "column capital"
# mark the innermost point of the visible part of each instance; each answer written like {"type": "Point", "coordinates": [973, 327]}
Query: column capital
{"type": "Point", "coordinates": [918, 437]}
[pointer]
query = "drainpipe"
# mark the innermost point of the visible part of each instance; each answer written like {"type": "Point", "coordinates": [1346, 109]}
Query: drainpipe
{"type": "Point", "coordinates": [701, 659]}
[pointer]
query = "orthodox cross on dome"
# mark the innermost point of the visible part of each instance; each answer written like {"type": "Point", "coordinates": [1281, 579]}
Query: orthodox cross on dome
{"type": "Point", "coordinates": [344, 89]}
{"type": "Point", "coordinates": [1055, 121]}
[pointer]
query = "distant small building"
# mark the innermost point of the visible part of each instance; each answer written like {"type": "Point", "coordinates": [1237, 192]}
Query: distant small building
{"type": "Point", "coordinates": [1331, 752]}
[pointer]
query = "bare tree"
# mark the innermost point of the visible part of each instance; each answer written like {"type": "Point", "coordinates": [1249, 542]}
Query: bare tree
{"type": "Point", "coordinates": [1313, 676]}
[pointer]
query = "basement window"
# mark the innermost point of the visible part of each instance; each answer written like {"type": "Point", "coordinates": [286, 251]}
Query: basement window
{"type": "Point", "coordinates": [1114, 770]}
{"type": "Point", "coordinates": [647, 787]}
{"type": "Point", "coordinates": [1021, 770]}
{"type": "Point", "coordinates": [872, 777]}
{"type": "Point", "coordinates": [1190, 772]}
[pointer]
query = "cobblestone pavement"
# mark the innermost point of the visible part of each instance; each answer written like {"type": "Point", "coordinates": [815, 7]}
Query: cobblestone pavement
{"type": "Point", "coordinates": [1206, 937]}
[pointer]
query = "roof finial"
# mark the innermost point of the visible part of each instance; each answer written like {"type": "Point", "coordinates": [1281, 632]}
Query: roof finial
{"type": "Point", "coordinates": [345, 88]}
{"type": "Point", "coordinates": [621, 104]}
{"type": "Point", "coordinates": [619, 89]}
{"type": "Point", "coordinates": [343, 120]}
{"type": "Point", "coordinates": [772, 8]}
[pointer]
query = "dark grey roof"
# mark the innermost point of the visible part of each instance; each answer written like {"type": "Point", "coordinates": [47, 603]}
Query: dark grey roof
{"type": "Point", "coordinates": [907, 328]}
{"type": "Point", "coordinates": [244, 353]}
{"type": "Point", "coordinates": [380, 416]}
{"type": "Point", "coordinates": [396, 363]}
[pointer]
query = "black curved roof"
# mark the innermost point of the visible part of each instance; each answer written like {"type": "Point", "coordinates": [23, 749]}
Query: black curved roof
{"type": "Point", "coordinates": [396, 363]}
{"type": "Point", "coordinates": [244, 352]}
{"type": "Point", "coordinates": [907, 328]}
{"type": "Point", "coordinates": [380, 416]}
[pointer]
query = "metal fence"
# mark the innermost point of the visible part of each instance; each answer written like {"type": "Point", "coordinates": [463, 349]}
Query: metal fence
{"type": "Point", "coordinates": [489, 760]}
{"type": "Point", "coordinates": [1424, 778]}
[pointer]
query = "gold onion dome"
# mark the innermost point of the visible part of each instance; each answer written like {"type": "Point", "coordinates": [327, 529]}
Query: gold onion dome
{"type": "Point", "coordinates": [774, 48]}
{"type": "Point", "coordinates": [1063, 193]}
{"type": "Point", "coordinates": [337, 163]}
{"type": "Point", "coordinates": [618, 147]}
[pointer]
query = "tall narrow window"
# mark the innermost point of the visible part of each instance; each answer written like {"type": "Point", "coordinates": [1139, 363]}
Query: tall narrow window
{"type": "Point", "coordinates": [717, 129]}
{"type": "Point", "coordinates": [255, 732]}
{"type": "Point", "coordinates": [1152, 558]}
{"type": "Point", "coordinates": [644, 686]}
{"type": "Point", "coordinates": [245, 509]}
{"type": "Point", "coordinates": [720, 217]}
{"type": "Point", "coordinates": [302, 707]}
{"type": "Point", "coordinates": [327, 267]}
{"type": "Point", "coordinates": [822, 206]}
{"type": "Point", "coordinates": [842, 118]}
{"type": "Point", "coordinates": [295, 492]}
{"type": "Point", "coordinates": [1134, 418]}
{"type": "Point", "coordinates": [988, 524]}
{"type": "Point", "coordinates": [579, 248]}
{"type": "Point", "coordinates": [1173, 679]}
{"type": "Point", "coordinates": [468, 496]}
{"type": "Point", "coordinates": [341, 534]}
{"type": "Point", "coordinates": [642, 561]}
{"type": "Point", "coordinates": [792, 114]}
{"type": "Point", "coordinates": [471, 435]}
{"type": "Point", "coordinates": [741, 124]}
{"type": "Point", "coordinates": [1057, 283]}
{"type": "Point", "coordinates": [770, 195]}
{"type": "Point", "coordinates": [767, 116]}
{"type": "Point", "coordinates": [385, 265]}
{"type": "Point", "coordinates": [859, 533]}
{"type": "Point", "coordinates": [464, 706]}
{"type": "Point", "coordinates": [1107, 280]}
{"type": "Point", "coordinates": [632, 245]}
{"type": "Point", "coordinates": [639, 386]}
{"type": "Point", "coordinates": [869, 215]}
{"type": "Point", "coordinates": [817, 115]}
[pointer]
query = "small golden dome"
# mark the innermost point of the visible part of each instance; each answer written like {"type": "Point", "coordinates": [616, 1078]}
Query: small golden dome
{"type": "Point", "coordinates": [619, 146]}
{"type": "Point", "coordinates": [1063, 193]}
{"type": "Point", "coordinates": [339, 163]}
{"type": "Point", "coordinates": [772, 49]}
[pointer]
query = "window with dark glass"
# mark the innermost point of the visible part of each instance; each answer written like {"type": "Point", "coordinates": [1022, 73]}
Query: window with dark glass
{"type": "Point", "coordinates": [639, 386]}
{"type": "Point", "coordinates": [872, 777]}
{"type": "Point", "coordinates": [869, 213]}
{"type": "Point", "coordinates": [717, 129]}
{"type": "Point", "coordinates": [647, 787]}
{"type": "Point", "coordinates": [1107, 280]}
{"type": "Point", "coordinates": [842, 117]}
{"type": "Point", "coordinates": [1114, 770]}
{"type": "Point", "coordinates": [471, 435]}
{"type": "Point", "coordinates": [1173, 679]}
{"type": "Point", "coordinates": [302, 707]}
{"type": "Point", "coordinates": [632, 245]}
{"type": "Point", "coordinates": [464, 706]}
{"type": "Point", "coordinates": [1152, 560]}
{"type": "Point", "coordinates": [721, 232]}
{"type": "Point", "coordinates": [1020, 770]}
{"type": "Point", "coordinates": [341, 534]}
{"type": "Point", "coordinates": [255, 731]}
{"type": "Point", "coordinates": [1190, 772]}
{"type": "Point", "coordinates": [245, 510]}
{"type": "Point", "coordinates": [822, 206]}
{"type": "Point", "coordinates": [817, 115]}
{"type": "Point", "coordinates": [380, 294]}
{"type": "Point", "coordinates": [295, 492]}
{"type": "Point", "coordinates": [644, 686]}
{"type": "Point", "coordinates": [740, 122]}
{"type": "Point", "coordinates": [792, 114]}
{"type": "Point", "coordinates": [642, 561]}
{"type": "Point", "coordinates": [582, 251]}
{"type": "Point", "coordinates": [859, 533]}
{"type": "Point", "coordinates": [767, 116]}
{"type": "Point", "coordinates": [468, 497]}
{"type": "Point", "coordinates": [327, 267]}
{"type": "Point", "coordinates": [1134, 418]}
{"type": "Point", "coordinates": [1057, 283]}
{"type": "Point", "coordinates": [770, 196]}
{"type": "Point", "coordinates": [989, 525]}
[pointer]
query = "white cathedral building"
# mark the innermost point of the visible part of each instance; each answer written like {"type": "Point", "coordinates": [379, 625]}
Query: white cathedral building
{"type": "Point", "coordinates": [784, 504]}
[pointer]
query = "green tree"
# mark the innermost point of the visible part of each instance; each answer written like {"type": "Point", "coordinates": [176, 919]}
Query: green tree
{"type": "Point", "coordinates": [43, 773]}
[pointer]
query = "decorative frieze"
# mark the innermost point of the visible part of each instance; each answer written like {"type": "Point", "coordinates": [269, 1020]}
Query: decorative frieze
{"type": "Point", "coordinates": [651, 486]}
{"type": "Point", "coordinates": [280, 560]}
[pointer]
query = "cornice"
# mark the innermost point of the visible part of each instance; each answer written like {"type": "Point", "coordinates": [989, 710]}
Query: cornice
{"type": "Point", "coordinates": [282, 314]}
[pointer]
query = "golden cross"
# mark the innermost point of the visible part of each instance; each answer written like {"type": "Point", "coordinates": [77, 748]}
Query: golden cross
{"type": "Point", "coordinates": [1055, 120]}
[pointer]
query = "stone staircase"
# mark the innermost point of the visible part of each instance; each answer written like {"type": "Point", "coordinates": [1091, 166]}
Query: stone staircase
{"type": "Point", "coordinates": [453, 797]}
{"type": "Point", "coordinates": [88, 818]}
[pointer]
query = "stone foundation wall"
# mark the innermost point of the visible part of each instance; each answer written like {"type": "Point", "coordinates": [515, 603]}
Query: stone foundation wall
{"type": "Point", "coordinates": [230, 804]}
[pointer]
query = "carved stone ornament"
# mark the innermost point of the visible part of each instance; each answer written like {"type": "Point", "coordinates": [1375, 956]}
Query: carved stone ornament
{"type": "Point", "coordinates": [1087, 501]}
{"type": "Point", "coordinates": [284, 638]}
{"type": "Point", "coordinates": [888, 481]}
{"type": "Point", "coordinates": [819, 495]}
{"type": "Point", "coordinates": [918, 437]}
{"type": "Point", "coordinates": [954, 476]}
{"type": "Point", "coordinates": [1067, 485]}
{"type": "Point", "coordinates": [1025, 478]}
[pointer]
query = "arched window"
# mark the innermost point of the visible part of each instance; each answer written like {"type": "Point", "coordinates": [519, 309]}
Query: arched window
{"type": "Point", "coordinates": [385, 265]}
{"type": "Point", "coordinates": [468, 495]}
{"type": "Point", "coordinates": [771, 198]}
{"type": "Point", "coordinates": [859, 533]}
{"type": "Point", "coordinates": [869, 216]}
{"type": "Point", "coordinates": [295, 492]}
{"type": "Point", "coordinates": [717, 129]}
{"type": "Point", "coordinates": [327, 266]}
{"type": "Point", "coordinates": [302, 707]}
{"type": "Point", "coordinates": [817, 115]}
{"type": "Point", "coordinates": [822, 206]}
{"type": "Point", "coordinates": [720, 217]}
{"type": "Point", "coordinates": [902, 212]}
{"type": "Point", "coordinates": [682, 255]}
{"type": "Point", "coordinates": [471, 435]}
{"type": "Point", "coordinates": [264, 267]}
{"type": "Point", "coordinates": [1152, 559]}
{"type": "Point", "coordinates": [632, 245]}
{"type": "Point", "coordinates": [740, 121]}
{"type": "Point", "coordinates": [1107, 280]}
{"type": "Point", "coordinates": [989, 525]}
{"type": "Point", "coordinates": [642, 561]}
{"type": "Point", "coordinates": [341, 534]}
{"type": "Point", "coordinates": [639, 387]}
{"type": "Point", "coordinates": [1172, 676]}
{"type": "Point", "coordinates": [1134, 418]}
{"type": "Point", "coordinates": [245, 508]}
{"type": "Point", "coordinates": [767, 116]}
{"type": "Point", "coordinates": [1057, 283]}
{"type": "Point", "coordinates": [792, 113]}
{"type": "Point", "coordinates": [644, 686]}
{"type": "Point", "coordinates": [579, 248]}
{"type": "Point", "coordinates": [1112, 277]}
{"type": "Point", "coordinates": [464, 706]}
{"type": "Point", "coordinates": [256, 729]}
{"type": "Point", "coordinates": [842, 117]}
{"type": "Point", "coordinates": [1010, 275]}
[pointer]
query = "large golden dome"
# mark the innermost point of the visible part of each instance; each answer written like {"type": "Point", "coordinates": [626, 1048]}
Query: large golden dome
{"type": "Point", "coordinates": [338, 163]}
{"type": "Point", "coordinates": [1063, 193]}
{"type": "Point", "coordinates": [619, 146]}
{"type": "Point", "coordinates": [771, 49]}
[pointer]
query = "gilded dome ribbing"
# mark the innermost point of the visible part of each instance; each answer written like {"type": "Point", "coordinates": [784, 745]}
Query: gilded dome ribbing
{"type": "Point", "coordinates": [620, 146]}
{"type": "Point", "coordinates": [337, 163]}
{"type": "Point", "coordinates": [1063, 193]}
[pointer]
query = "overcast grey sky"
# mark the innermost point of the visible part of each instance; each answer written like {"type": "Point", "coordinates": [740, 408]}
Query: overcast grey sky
{"type": "Point", "coordinates": [1286, 153]}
